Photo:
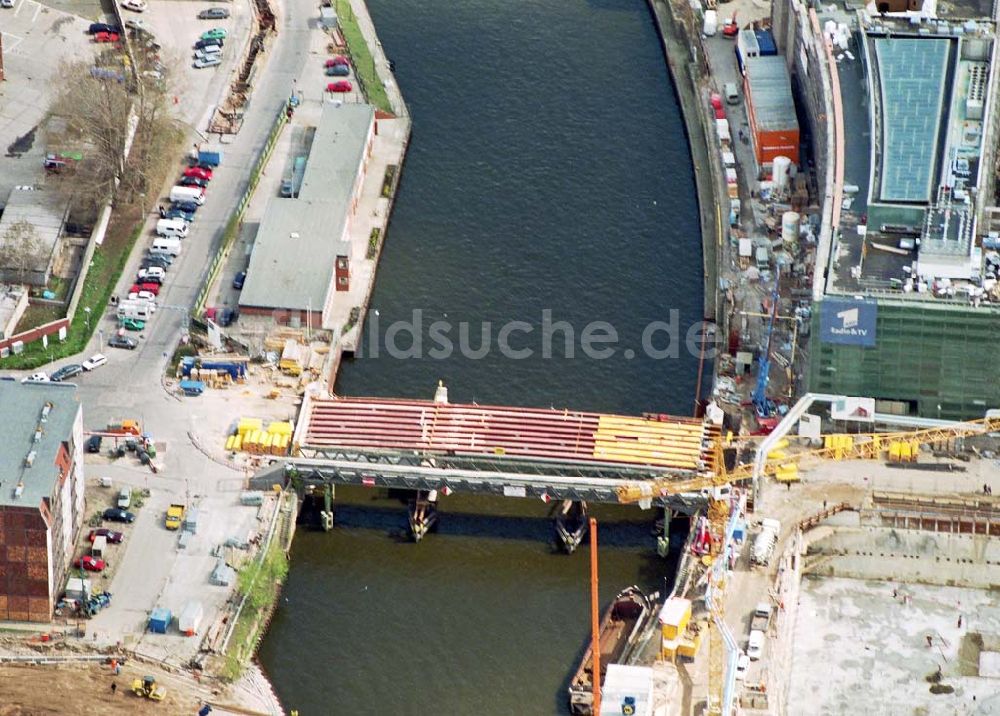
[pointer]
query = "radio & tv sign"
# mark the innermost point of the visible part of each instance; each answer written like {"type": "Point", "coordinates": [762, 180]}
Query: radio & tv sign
{"type": "Point", "coordinates": [848, 321]}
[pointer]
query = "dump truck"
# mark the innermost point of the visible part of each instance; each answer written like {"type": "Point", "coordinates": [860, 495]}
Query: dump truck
{"type": "Point", "coordinates": [761, 617]}
{"type": "Point", "coordinates": [175, 516]}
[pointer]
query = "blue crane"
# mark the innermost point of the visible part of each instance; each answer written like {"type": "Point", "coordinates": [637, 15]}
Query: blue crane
{"type": "Point", "coordinates": [763, 406]}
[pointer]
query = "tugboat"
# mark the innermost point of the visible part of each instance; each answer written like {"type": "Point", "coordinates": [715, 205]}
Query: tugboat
{"type": "Point", "coordinates": [571, 524]}
{"type": "Point", "coordinates": [620, 627]}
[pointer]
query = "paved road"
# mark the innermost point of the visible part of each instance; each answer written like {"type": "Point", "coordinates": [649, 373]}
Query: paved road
{"type": "Point", "coordinates": [130, 386]}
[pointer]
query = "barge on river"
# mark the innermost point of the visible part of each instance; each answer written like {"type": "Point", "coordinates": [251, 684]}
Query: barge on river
{"type": "Point", "coordinates": [620, 628]}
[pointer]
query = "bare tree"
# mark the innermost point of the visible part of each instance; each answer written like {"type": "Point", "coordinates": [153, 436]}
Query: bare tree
{"type": "Point", "coordinates": [124, 125]}
{"type": "Point", "coordinates": [21, 252]}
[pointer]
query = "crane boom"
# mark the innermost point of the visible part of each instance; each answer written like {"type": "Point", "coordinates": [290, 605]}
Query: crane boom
{"type": "Point", "coordinates": [868, 446]}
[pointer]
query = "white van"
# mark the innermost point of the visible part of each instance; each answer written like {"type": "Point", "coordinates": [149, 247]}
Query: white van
{"type": "Point", "coordinates": [139, 302]}
{"type": "Point", "coordinates": [188, 193]}
{"type": "Point", "coordinates": [172, 227]}
{"type": "Point", "coordinates": [166, 245]}
{"type": "Point", "coordinates": [755, 647]}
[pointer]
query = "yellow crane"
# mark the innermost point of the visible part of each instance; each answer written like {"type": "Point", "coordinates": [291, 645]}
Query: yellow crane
{"type": "Point", "coordinates": [898, 446]}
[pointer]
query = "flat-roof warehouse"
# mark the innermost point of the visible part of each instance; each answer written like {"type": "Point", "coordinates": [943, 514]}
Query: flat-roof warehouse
{"type": "Point", "coordinates": [301, 255]}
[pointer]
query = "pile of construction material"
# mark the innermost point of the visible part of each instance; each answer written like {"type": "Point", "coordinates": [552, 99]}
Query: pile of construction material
{"type": "Point", "coordinates": [251, 437]}
{"type": "Point", "coordinates": [215, 371]}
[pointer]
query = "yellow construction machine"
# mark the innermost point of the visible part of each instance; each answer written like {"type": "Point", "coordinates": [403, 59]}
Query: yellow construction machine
{"type": "Point", "coordinates": [147, 688]}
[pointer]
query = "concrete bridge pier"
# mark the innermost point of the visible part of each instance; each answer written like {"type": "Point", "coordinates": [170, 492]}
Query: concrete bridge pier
{"type": "Point", "coordinates": [422, 513]}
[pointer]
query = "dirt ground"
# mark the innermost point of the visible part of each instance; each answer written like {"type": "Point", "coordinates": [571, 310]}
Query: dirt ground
{"type": "Point", "coordinates": [86, 689]}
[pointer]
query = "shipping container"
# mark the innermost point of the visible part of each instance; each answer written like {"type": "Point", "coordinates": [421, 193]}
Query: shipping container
{"type": "Point", "coordinates": [159, 620]}
{"type": "Point", "coordinates": [711, 23]}
{"type": "Point", "coordinates": [774, 126]}
{"type": "Point", "coordinates": [190, 619]}
{"type": "Point", "coordinates": [765, 43]}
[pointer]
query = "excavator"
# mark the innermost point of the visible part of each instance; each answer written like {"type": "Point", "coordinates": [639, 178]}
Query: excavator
{"type": "Point", "coordinates": [146, 687]}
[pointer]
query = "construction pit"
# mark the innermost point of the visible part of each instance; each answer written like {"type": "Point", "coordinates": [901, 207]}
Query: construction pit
{"type": "Point", "coordinates": [895, 612]}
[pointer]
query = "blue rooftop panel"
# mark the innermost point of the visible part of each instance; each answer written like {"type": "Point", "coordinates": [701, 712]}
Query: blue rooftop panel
{"type": "Point", "coordinates": [912, 74]}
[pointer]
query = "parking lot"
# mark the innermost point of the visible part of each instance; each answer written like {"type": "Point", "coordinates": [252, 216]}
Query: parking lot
{"type": "Point", "coordinates": [36, 38]}
{"type": "Point", "coordinates": [176, 27]}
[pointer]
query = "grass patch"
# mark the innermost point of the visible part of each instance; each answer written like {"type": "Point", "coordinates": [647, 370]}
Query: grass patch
{"type": "Point", "coordinates": [390, 176]}
{"type": "Point", "coordinates": [373, 242]}
{"type": "Point", "coordinates": [361, 56]}
{"type": "Point", "coordinates": [261, 583]}
{"type": "Point", "coordinates": [38, 314]}
{"type": "Point", "coordinates": [183, 350]}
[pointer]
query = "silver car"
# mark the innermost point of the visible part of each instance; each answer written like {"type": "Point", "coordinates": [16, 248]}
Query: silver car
{"type": "Point", "coordinates": [209, 61]}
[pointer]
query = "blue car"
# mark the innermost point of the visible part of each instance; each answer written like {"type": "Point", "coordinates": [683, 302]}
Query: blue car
{"type": "Point", "coordinates": [338, 71]}
{"type": "Point", "coordinates": [177, 213]}
{"type": "Point", "coordinates": [239, 279]}
{"type": "Point", "coordinates": [188, 206]}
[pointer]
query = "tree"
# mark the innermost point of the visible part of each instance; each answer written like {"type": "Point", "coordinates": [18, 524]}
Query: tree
{"type": "Point", "coordinates": [21, 252]}
{"type": "Point", "coordinates": [121, 125]}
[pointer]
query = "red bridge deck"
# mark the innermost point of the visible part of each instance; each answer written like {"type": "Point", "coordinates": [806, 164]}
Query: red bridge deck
{"type": "Point", "coordinates": [564, 435]}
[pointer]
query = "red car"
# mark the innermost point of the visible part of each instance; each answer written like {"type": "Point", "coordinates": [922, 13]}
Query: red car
{"type": "Point", "coordinates": [91, 564]}
{"type": "Point", "coordinates": [153, 288]}
{"type": "Point", "coordinates": [199, 173]}
{"type": "Point", "coordinates": [340, 86]}
{"type": "Point", "coordinates": [106, 37]}
{"type": "Point", "coordinates": [338, 60]}
{"type": "Point", "coordinates": [113, 537]}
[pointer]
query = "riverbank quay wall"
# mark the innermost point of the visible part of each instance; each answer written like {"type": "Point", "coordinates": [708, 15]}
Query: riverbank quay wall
{"type": "Point", "coordinates": [679, 37]}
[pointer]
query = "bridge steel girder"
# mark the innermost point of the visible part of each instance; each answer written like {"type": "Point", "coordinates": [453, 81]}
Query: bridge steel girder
{"type": "Point", "coordinates": [423, 477]}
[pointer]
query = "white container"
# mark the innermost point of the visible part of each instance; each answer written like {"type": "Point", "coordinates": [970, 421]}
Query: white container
{"type": "Point", "coordinates": [711, 24]}
{"type": "Point", "coordinates": [781, 172]}
{"type": "Point", "coordinates": [190, 618]}
{"type": "Point", "coordinates": [790, 227]}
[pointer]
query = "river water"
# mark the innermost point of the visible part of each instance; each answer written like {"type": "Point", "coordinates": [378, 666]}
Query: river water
{"type": "Point", "coordinates": [548, 172]}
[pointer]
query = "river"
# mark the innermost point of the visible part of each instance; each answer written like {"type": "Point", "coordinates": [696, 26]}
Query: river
{"type": "Point", "coordinates": [548, 171]}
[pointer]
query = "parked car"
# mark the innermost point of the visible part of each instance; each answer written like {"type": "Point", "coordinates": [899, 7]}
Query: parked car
{"type": "Point", "coordinates": [338, 61]}
{"type": "Point", "coordinates": [124, 498]}
{"type": "Point", "coordinates": [210, 61]}
{"type": "Point", "coordinates": [112, 536]}
{"type": "Point", "coordinates": [91, 564]}
{"type": "Point", "coordinates": [146, 274]}
{"type": "Point", "coordinates": [198, 172]}
{"type": "Point", "coordinates": [96, 27]}
{"type": "Point", "coordinates": [158, 280]}
{"type": "Point", "coordinates": [95, 361]}
{"type": "Point", "coordinates": [142, 296]}
{"type": "Point", "coordinates": [228, 316]}
{"type": "Point", "coordinates": [339, 86]}
{"type": "Point", "coordinates": [136, 25]}
{"type": "Point", "coordinates": [338, 71]}
{"type": "Point", "coordinates": [207, 51]}
{"type": "Point", "coordinates": [216, 33]}
{"type": "Point", "coordinates": [119, 341]}
{"type": "Point", "coordinates": [67, 371]}
{"type": "Point", "coordinates": [188, 206]}
{"type": "Point", "coordinates": [93, 444]}
{"type": "Point", "coordinates": [159, 257]}
{"type": "Point", "coordinates": [215, 42]}
{"type": "Point", "coordinates": [134, 5]}
{"type": "Point", "coordinates": [132, 324]}
{"type": "Point", "coordinates": [155, 260]}
{"type": "Point", "coordinates": [179, 214]}
{"type": "Point", "coordinates": [115, 514]}
{"type": "Point", "coordinates": [755, 646]}
{"type": "Point", "coordinates": [194, 181]}
{"type": "Point", "coordinates": [106, 37]}
{"type": "Point", "coordinates": [153, 288]}
{"type": "Point", "coordinates": [214, 13]}
{"type": "Point", "coordinates": [7, 4]}
{"type": "Point", "coordinates": [39, 377]}
{"type": "Point", "coordinates": [239, 279]}
{"type": "Point", "coordinates": [742, 666]}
